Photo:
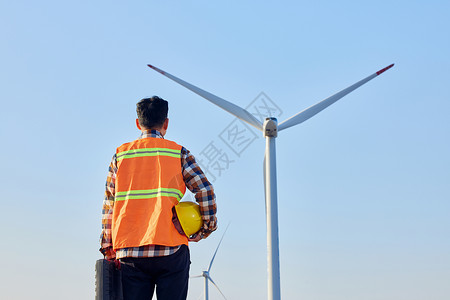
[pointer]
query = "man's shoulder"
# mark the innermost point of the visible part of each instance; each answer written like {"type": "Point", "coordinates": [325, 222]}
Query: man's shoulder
{"type": "Point", "coordinates": [173, 143]}
{"type": "Point", "coordinates": [127, 145]}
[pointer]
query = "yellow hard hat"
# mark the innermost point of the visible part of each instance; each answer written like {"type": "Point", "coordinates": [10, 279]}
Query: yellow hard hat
{"type": "Point", "coordinates": [188, 214]}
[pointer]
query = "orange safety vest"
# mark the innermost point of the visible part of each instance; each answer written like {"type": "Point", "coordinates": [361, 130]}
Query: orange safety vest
{"type": "Point", "coordinates": [149, 183]}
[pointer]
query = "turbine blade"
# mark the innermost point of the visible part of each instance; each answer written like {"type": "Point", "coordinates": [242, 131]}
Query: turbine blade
{"type": "Point", "coordinates": [318, 107]}
{"type": "Point", "coordinates": [210, 279]}
{"type": "Point", "coordinates": [210, 264]}
{"type": "Point", "coordinates": [196, 276]}
{"type": "Point", "coordinates": [233, 109]}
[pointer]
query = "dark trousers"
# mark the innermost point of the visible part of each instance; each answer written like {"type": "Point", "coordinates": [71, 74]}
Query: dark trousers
{"type": "Point", "coordinates": [170, 275]}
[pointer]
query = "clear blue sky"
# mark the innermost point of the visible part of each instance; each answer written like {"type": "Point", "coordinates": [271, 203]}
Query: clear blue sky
{"type": "Point", "coordinates": [363, 186]}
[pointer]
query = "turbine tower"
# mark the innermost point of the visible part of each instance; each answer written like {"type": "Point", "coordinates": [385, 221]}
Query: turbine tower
{"type": "Point", "coordinates": [270, 130]}
{"type": "Point", "coordinates": [205, 274]}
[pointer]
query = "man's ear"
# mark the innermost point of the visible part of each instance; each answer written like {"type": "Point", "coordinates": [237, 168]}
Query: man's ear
{"type": "Point", "coordinates": [137, 124]}
{"type": "Point", "coordinates": [166, 124]}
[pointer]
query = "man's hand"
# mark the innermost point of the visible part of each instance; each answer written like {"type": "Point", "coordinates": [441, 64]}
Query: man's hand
{"type": "Point", "coordinates": [196, 237]}
{"type": "Point", "coordinates": [108, 253]}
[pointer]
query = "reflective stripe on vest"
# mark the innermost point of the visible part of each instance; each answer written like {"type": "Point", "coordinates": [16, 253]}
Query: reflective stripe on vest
{"type": "Point", "coordinates": [146, 194]}
{"type": "Point", "coordinates": [147, 152]}
{"type": "Point", "coordinates": [149, 183]}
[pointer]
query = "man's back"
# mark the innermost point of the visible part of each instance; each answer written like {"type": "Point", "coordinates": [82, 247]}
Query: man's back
{"type": "Point", "coordinates": [149, 183]}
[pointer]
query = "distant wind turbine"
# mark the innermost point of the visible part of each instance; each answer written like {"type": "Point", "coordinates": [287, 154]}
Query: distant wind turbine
{"type": "Point", "coordinates": [270, 130]}
{"type": "Point", "coordinates": [206, 275]}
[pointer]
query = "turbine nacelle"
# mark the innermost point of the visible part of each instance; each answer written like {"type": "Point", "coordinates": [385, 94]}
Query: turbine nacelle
{"type": "Point", "coordinates": [270, 127]}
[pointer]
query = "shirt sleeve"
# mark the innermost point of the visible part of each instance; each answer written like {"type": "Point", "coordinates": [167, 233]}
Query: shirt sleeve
{"type": "Point", "coordinates": [203, 190]}
{"type": "Point", "coordinates": [107, 211]}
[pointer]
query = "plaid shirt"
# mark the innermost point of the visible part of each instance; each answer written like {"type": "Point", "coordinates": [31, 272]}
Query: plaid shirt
{"type": "Point", "coordinates": [195, 181]}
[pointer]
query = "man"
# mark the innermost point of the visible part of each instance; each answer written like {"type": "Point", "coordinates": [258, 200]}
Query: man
{"type": "Point", "coordinates": [147, 178]}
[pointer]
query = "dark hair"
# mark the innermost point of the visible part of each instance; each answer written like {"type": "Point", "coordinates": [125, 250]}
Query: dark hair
{"type": "Point", "coordinates": [152, 112]}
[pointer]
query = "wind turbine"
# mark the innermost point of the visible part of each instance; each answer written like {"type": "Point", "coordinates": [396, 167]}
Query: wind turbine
{"type": "Point", "coordinates": [270, 130]}
{"type": "Point", "coordinates": [205, 274]}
